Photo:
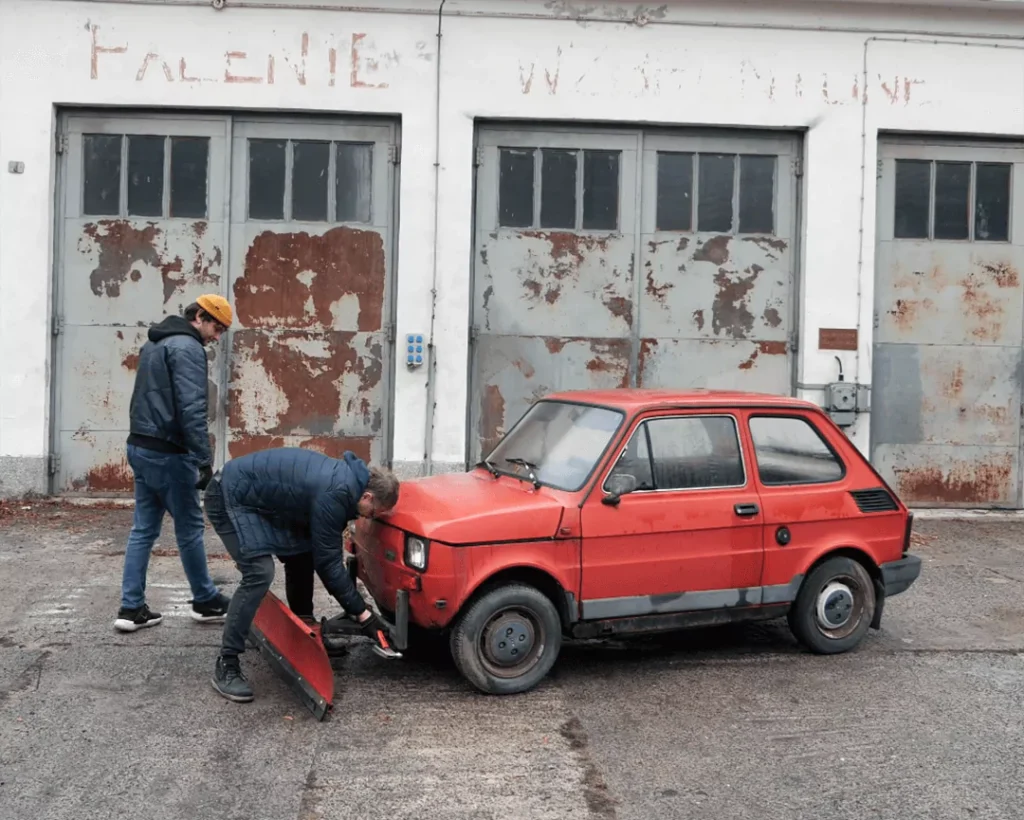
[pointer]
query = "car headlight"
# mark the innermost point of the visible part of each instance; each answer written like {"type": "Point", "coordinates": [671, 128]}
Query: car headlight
{"type": "Point", "coordinates": [416, 550]}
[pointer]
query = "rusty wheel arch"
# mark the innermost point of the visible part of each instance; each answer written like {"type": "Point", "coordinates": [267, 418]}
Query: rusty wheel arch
{"type": "Point", "coordinates": [544, 581]}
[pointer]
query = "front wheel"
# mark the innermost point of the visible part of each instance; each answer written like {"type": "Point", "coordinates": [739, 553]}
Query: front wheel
{"type": "Point", "coordinates": [834, 607]}
{"type": "Point", "coordinates": [508, 640]}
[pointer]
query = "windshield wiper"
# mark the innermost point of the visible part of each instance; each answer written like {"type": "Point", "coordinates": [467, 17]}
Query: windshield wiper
{"type": "Point", "coordinates": [489, 467]}
{"type": "Point", "coordinates": [530, 468]}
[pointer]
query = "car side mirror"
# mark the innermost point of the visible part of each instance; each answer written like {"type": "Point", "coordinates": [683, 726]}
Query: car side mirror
{"type": "Point", "coordinates": [617, 486]}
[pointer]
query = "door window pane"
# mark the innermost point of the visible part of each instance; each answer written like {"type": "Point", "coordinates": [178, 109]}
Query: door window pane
{"type": "Point", "coordinates": [714, 192]}
{"type": "Point", "coordinates": [146, 175]}
{"type": "Point", "coordinates": [101, 186]}
{"type": "Point", "coordinates": [790, 451]}
{"type": "Point", "coordinates": [695, 452]}
{"type": "Point", "coordinates": [354, 162]}
{"type": "Point", "coordinates": [992, 202]}
{"type": "Point", "coordinates": [190, 158]}
{"type": "Point", "coordinates": [310, 169]}
{"type": "Point", "coordinates": [675, 192]}
{"type": "Point", "coordinates": [557, 188]}
{"type": "Point", "coordinates": [600, 190]}
{"type": "Point", "coordinates": [636, 461]}
{"type": "Point", "coordinates": [952, 200]}
{"type": "Point", "coordinates": [266, 179]}
{"type": "Point", "coordinates": [913, 191]}
{"type": "Point", "coordinates": [515, 187]}
{"type": "Point", "coordinates": [757, 194]}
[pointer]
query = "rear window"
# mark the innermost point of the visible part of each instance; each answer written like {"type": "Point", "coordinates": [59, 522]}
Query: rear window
{"type": "Point", "coordinates": [789, 450]}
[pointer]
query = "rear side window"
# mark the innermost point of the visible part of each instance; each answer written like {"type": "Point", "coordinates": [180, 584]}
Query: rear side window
{"type": "Point", "coordinates": [686, 453]}
{"type": "Point", "coordinates": [790, 451]}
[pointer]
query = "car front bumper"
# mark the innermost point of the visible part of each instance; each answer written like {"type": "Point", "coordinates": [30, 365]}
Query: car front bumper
{"type": "Point", "coordinates": [898, 576]}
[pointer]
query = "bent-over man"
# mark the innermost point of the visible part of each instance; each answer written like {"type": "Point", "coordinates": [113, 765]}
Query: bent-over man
{"type": "Point", "coordinates": [285, 502]}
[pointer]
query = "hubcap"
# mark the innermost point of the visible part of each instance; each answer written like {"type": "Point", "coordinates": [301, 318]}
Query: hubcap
{"type": "Point", "coordinates": [835, 606]}
{"type": "Point", "coordinates": [511, 643]}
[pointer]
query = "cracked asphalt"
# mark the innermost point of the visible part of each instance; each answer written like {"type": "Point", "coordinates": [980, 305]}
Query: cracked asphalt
{"type": "Point", "coordinates": [923, 721]}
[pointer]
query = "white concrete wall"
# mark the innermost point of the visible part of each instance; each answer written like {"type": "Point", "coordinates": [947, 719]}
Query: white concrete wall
{"type": "Point", "coordinates": [686, 64]}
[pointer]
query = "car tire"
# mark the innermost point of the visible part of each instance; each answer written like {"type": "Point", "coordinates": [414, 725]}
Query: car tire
{"type": "Point", "coordinates": [834, 608]}
{"type": "Point", "coordinates": [507, 641]}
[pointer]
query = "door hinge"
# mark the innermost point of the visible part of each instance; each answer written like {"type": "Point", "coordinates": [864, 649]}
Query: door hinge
{"type": "Point", "coordinates": [62, 142]}
{"type": "Point", "coordinates": [53, 464]}
{"type": "Point", "coordinates": [57, 324]}
{"type": "Point", "coordinates": [791, 341]}
{"type": "Point", "coordinates": [394, 154]}
{"type": "Point", "coordinates": [479, 156]}
{"type": "Point", "coordinates": [878, 168]}
{"type": "Point", "coordinates": [389, 333]}
{"type": "Point", "coordinates": [474, 333]}
{"type": "Point", "coordinates": [798, 167]}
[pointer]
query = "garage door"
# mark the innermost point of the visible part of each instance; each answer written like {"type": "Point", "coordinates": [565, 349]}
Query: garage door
{"type": "Point", "coordinates": [290, 221]}
{"type": "Point", "coordinates": [946, 380]}
{"type": "Point", "coordinates": [618, 258]}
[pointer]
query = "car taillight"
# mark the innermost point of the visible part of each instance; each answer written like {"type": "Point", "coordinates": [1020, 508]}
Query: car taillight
{"type": "Point", "coordinates": [907, 531]}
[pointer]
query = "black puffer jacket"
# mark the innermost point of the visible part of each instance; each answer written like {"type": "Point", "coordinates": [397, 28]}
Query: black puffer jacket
{"type": "Point", "coordinates": [287, 500]}
{"type": "Point", "coordinates": [168, 407]}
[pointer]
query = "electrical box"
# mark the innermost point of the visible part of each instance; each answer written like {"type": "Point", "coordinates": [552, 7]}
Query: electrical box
{"type": "Point", "coordinates": [414, 347]}
{"type": "Point", "coordinates": [841, 402]}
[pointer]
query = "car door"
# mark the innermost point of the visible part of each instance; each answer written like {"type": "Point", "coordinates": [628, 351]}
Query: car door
{"type": "Point", "coordinates": [801, 481]}
{"type": "Point", "coordinates": [689, 537]}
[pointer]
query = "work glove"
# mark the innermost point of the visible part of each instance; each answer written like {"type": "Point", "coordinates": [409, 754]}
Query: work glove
{"type": "Point", "coordinates": [379, 634]}
{"type": "Point", "coordinates": [205, 474]}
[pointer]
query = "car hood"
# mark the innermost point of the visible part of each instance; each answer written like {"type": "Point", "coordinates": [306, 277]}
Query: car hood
{"type": "Point", "coordinates": [475, 508]}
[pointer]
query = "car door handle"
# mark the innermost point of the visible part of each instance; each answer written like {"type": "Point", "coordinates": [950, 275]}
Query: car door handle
{"type": "Point", "coordinates": [746, 509]}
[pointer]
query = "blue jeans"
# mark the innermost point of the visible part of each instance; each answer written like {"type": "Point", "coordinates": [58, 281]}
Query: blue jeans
{"type": "Point", "coordinates": [165, 482]}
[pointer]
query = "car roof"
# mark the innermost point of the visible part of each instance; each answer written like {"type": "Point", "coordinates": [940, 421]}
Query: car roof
{"type": "Point", "coordinates": [634, 399]}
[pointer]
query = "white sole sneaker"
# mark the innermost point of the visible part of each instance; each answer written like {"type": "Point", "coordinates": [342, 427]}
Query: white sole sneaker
{"type": "Point", "coordinates": [206, 619]}
{"type": "Point", "coordinates": [124, 625]}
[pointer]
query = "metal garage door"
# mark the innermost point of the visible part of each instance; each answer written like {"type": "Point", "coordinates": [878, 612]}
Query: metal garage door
{"type": "Point", "coordinates": [617, 258]}
{"type": "Point", "coordinates": [147, 202]}
{"type": "Point", "coordinates": [946, 380]}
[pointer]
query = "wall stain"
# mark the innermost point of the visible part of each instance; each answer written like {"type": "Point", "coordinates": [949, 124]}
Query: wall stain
{"type": "Point", "coordinates": [714, 250]}
{"type": "Point", "coordinates": [964, 483]}
{"type": "Point", "coordinates": [492, 418]}
{"type": "Point", "coordinates": [729, 312]}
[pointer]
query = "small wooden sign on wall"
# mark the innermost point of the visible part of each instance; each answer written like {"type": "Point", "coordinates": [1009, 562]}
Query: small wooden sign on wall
{"type": "Point", "coordinates": [837, 338]}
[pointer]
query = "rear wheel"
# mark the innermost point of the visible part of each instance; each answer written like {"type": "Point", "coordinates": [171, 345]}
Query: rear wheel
{"type": "Point", "coordinates": [508, 640]}
{"type": "Point", "coordinates": [834, 607]}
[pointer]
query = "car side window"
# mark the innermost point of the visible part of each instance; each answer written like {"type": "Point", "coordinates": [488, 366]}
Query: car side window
{"type": "Point", "coordinates": [789, 450]}
{"type": "Point", "coordinates": [636, 460]}
{"type": "Point", "coordinates": [685, 453]}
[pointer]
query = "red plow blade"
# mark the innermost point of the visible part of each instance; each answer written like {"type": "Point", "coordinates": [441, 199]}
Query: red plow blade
{"type": "Point", "coordinates": [294, 649]}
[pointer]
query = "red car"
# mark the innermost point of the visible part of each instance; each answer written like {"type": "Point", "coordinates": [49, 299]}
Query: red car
{"type": "Point", "coordinates": [637, 511]}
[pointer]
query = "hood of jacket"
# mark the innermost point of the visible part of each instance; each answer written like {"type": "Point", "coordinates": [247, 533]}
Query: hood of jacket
{"type": "Point", "coordinates": [173, 326]}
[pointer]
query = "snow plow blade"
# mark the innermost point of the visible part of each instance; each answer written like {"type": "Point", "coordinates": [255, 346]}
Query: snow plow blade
{"type": "Point", "coordinates": [294, 650]}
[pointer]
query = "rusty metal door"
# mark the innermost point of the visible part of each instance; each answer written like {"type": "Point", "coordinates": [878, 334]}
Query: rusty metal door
{"type": "Point", "coordinates": [717, 262]}
{"type": "Point", "coordinates": [947, 367]}
{"type": "Point", "coordinates": [311, 224]}
{"type": "Point", "coordinates": [141, 232]}
{"type": "Point", "coordinates": [556, 237]}
{"type": "Point", "coordinates": [559, 302]}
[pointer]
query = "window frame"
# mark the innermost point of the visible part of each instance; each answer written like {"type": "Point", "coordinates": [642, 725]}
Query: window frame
{"type": "Point", "coordinates": [287, 210]}
{"type": "Point", "coordinates": [641, 422]}
{"type": "Point", "coordinates": [758, 414]}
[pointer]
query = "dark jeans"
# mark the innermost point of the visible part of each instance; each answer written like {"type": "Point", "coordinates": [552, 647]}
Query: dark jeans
{"type": "Point", "coordinates": [164, 482]}
{"type": "Point", "coordinates": [257, 575]}
{"type": "Point", "coordinates": [298, 583]}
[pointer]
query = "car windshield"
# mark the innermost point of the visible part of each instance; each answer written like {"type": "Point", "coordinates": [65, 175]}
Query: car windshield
{"type": "Point", "coordinates": [558, 442]}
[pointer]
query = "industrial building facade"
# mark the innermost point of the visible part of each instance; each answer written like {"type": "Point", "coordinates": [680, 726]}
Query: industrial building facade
{"type": "Point", "coordinates": [427, 216]}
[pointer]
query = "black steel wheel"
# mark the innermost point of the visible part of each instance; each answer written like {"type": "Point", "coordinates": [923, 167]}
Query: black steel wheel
{"type": "Point", "coordinates": [507, 641]}
{"type": "Point", "coordinates": [834, 607]}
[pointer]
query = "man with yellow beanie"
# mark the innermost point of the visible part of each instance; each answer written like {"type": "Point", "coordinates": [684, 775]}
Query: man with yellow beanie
{"type": "Point", "coordinates": [169, 453]}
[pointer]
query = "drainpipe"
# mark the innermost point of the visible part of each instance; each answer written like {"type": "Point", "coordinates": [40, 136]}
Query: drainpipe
{"type": "Point", "coordinates": [428, 434]}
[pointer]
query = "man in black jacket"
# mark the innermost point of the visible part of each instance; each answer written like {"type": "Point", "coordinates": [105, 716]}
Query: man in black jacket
{"type": "Point", "coordinates": [287, 502]}
{"type": "Point", "coordinates": [169, 453]}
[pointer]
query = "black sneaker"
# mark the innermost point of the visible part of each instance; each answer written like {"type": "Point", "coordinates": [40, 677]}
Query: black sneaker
{"type": "Point", "coordinates": [130, 620]}
{"type": "Point", "coordinates": [211, 611]}
{"type": "Point", "coordinates": [229, 681]}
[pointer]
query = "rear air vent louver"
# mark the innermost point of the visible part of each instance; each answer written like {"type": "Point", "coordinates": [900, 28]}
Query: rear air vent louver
{"type": "Point", "coordinates": [873, 501]}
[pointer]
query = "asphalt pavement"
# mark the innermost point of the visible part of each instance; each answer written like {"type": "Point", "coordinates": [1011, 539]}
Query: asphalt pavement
{"type": "Point", "coordinates": [923, 721]}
